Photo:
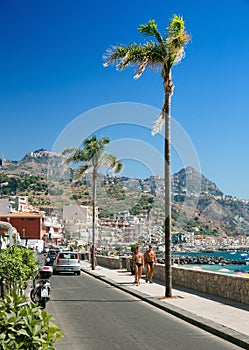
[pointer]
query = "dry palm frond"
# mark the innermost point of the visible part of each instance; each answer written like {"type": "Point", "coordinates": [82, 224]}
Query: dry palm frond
{"type": "Point", "coordinates": [141, 68]}
{"type": "Point", "coordinates": [115, 55]}
{"type": "Point", "coordinates": [158, 124]}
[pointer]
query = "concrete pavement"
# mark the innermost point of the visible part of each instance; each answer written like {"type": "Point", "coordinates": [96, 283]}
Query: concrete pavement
{"type": "Point", "coordinates": [224, 318]}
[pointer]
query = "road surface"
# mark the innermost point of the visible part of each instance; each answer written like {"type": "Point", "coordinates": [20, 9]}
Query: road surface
{"type": "Point", "coordinates": [96, 316]}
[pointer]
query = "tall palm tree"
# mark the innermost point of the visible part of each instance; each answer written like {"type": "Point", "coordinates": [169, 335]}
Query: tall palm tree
{"type": "Point", "coordinates": [163, 53]}
{"type": "Point", "coordinates": [92, 156]}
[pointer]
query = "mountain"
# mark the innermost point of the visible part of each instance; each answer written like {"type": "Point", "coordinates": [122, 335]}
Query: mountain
{"type": "Point", "coordinates": [191, 181]}
{"type": "Point", "coordinates": [197, 203]}
{"type": "Point", "coordinates": [35, 163]}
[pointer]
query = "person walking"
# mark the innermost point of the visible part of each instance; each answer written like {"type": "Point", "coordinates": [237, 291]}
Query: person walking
{"type": "Point", "coordinates": [93, 255]}
{"type": "Point", "coordinates": [139, 264]}
{"type": "Point", "coordinates": [150, 261]}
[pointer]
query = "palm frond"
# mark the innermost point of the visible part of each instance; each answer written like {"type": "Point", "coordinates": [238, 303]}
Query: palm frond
{"type": "Point", "coordinates": [150, 29]}
{"type": "Point", "coordinates": [69, 154]}
{"type": "Point", "coordinates": [68, 150]}
{"type": "Point", "coordinates": [158, 124]}
{"type": "Point", "coordinates": [114, 55]}
{"type": "Point", "coordinates": [110, 161]}
{"type": "Point", "coordinates": [176, 39]}
{"type": "Point", "coordinates": [118, 167]}
{"type": "Point", "coordinates": [143, 55]}
{"type": "Point", "coordinates": [104, 141]}
{"type": "Point", "coordinates": [82, 170]}
{"type": "Point", "coordinates": [134, 56]}
{"type": "Point", "coordinates": [68, 160]}
{"type": "Point", "coordinates": [141, 68]}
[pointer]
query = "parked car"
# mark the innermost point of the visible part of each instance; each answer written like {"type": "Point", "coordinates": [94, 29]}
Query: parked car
{"type": "Point", "coordinates": [56, 248]}
{"type": "Point", "coordinates": [45, 250]}
{"type": "Point", "coordinates": [67, 262]}
{"type": "Point", "coordinates": [50, 257]}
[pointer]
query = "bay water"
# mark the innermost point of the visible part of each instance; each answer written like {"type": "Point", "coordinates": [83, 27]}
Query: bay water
{"type": "Point", "coordinates": [239, 268]}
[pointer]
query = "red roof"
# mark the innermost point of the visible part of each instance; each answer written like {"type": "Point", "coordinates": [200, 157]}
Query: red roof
{"type": "Point", "coordinates": [21, 215]}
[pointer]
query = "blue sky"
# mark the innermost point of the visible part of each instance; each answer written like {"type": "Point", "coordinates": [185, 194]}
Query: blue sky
{"type": "Point", "coordinates": [51, 72]}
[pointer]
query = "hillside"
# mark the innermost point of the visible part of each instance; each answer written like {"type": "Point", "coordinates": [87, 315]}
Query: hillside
{"type": "Point", "coordinates": [35, 163]}
{"type": "Point", "coordinates": [197, 203]}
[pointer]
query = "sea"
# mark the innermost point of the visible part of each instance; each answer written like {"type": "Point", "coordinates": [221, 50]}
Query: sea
{"type": "Point", "coordinates": [241, 268]}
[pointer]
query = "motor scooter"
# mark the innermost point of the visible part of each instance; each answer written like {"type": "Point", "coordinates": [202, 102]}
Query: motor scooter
{"type": "Point", "coordinates": [40, 293]}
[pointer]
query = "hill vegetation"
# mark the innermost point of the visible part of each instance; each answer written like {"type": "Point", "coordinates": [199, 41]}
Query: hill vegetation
{"type": "Point", "coordinates": [197, 203]}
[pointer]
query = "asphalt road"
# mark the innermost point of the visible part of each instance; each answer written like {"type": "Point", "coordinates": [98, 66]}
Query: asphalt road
{"type": "Point", "coordinates": [96, 316]}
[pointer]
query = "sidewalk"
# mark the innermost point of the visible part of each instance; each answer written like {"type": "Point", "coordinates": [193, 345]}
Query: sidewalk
{"type": "Point", "coordinates": [222, 317]}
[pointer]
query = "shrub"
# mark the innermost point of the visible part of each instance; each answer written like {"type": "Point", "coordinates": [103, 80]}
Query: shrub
{"type": "Point", "coordinates": [25, 327]}
{"type": "Point", "coordinates": [17, 266]}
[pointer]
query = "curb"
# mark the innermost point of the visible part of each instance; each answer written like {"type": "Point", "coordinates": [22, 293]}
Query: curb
{"type": "Point", "coordinates": [221, 331]}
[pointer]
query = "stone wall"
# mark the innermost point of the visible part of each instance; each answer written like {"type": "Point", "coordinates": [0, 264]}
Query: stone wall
{"type": "Point", "coordinates": [113, 263]}
{"type": "Point", "coordinates": [223, 285]}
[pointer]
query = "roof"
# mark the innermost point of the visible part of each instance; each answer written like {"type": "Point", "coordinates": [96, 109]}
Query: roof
{"type": "Point", "coordinates": [21, 215]}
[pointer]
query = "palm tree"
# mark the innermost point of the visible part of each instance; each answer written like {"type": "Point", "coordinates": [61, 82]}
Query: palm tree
{"type": "Point", "coordinates": [163, 53]}
{"type": "Point", "coordinates": [92, 155]}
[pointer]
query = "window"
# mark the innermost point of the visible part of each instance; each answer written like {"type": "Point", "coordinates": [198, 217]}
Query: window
{"type": "Point", "coordinates": [68, 256]}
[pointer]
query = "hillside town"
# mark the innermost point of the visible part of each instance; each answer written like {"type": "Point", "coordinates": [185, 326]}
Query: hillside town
{"type": "Point", "coordinates": [36, 229]}
{"type": "Point", "coordinates": [129, 211]}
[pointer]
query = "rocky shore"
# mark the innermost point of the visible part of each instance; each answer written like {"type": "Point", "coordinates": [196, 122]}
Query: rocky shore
{"type": "Point", "coordinates": [211, 260]}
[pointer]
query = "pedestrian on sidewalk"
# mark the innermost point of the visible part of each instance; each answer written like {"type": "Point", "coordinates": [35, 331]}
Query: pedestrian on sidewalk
{"type": "Point", "coordinates": [139, 265]}
{"type": "Point", "coordinates": [93, 255]}
{"type": "Point", "coordinates": [133, 264]}
{"type": "Point", "coordinates": [150, 261]}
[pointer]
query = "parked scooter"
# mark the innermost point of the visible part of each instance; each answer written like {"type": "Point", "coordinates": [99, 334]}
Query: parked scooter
{"type": "Point", "coordinates": [40, 293]}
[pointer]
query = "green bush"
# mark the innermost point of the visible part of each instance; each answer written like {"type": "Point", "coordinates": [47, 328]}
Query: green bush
{"type": "Point", "coordinates": [17, 266]}
{"type": "Point", "coordinates": [25, 327]}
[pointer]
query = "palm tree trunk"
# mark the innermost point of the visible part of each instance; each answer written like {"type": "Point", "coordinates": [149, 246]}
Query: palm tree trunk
{"type": "Point", "coordinates": [168, 88]}
{"type": "Point", "coordinates": [94, 217]}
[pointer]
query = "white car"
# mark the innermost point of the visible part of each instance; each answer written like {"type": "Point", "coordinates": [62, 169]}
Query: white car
{"type": "Point", "coordinates": [67, 262]}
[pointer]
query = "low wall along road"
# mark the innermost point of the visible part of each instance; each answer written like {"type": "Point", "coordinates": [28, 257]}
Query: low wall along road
{"type": "Point", "coordinates": [231, 287]}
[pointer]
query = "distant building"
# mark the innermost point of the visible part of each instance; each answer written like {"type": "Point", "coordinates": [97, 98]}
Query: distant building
{"type": "Point", "coordinates": [13, 204]}
{"type": "Point", "coordinates": [122, 216]}
{"type": "Point", "coordinates": [19, 203]}
{"type": "Point", "coordinates": [77, 213]}
{"type": "Point", "coordinates": [77, 220]}
{"type": "Point", "coordinates": [4, 206]}
{"type": "Point", "coordinates": [51, 230]}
